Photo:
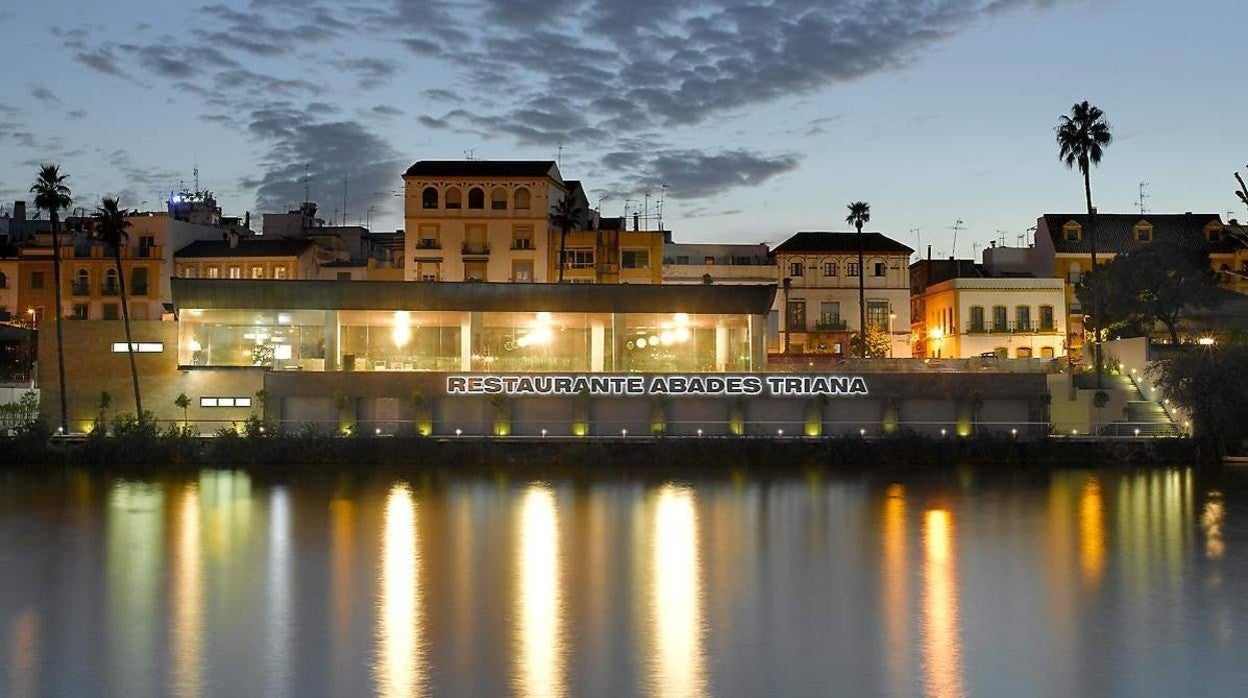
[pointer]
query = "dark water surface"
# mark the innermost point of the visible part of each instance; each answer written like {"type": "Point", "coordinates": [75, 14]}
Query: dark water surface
{"type": "Point", "coordinates": [965, 582]}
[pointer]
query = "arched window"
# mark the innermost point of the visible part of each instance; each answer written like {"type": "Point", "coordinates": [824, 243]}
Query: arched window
{"type": "Point", "coordinates": [429, 198]}
{"type": "Point", "coordinates": [1046, 317]}
{"type": "Point", "coordinates": [498, 199]}
{"type": "Point", "coordinates": [110, 283]}
{"type": "Point", "coordinates": [82, 282]}
{"type": "Point", "coordinates": [1023, 352]}
{"type": "Point", "coordinates": [454, 199]}
{"type": "Point", "coordinates": [977, 318]}
{"type": "Point", "coordinates": [1002, 352]}
{"type": "Point", "coordinates": [1046, 352]}
{"type": "Point", "coordinates": [476, 198]}
{"type": "Point", "coordinates": [522, 199]}
{"type": "Point", "coordinates": [138, 281]}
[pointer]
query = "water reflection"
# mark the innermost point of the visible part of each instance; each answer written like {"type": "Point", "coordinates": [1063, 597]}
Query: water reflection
{"type": "Point", "coordinates": [679, 661]}
{"type": "Point", "coordinates": [135, 555]}
{"type": "Point", "coordinates": [342, 563]}
{"type": "Point", "coordinates": [941, 640]}
{"type": "Point", "coordinates": [278, 607]}
{"type": "Point", "coordinates": [186, 590]}
{"type": "Point", "coordinates": [540, 649]}
{"type": "Point", "coordinates": [1211, 524]}
{"type": "Point", "coordinates": [894, 594]}
{"type": "Point", "coordinates": [24, 662]}
{"type": "Point", "coordinates": [400, 667]}
{"type": "Point", "coordinates": [1091, 533]}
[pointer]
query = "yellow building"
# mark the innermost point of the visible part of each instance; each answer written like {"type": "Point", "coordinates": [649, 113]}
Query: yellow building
{"type": "Point", "coordinates": [607, 252]}
{"type": "Point", "coordinates": [90, 286]}
{"type": "Point", "coordinates": [248, 258]}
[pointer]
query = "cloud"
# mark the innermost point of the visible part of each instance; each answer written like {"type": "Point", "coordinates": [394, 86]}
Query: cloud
{"type": "Point", "coordinates": [369, 72]}
{"type": "Point", "coordinates": [45, 95]}
{"type": "Point", "coordinates": [695, 174]}
{"type": "Point", "coordinates": [421, 47]}
{"type": "Point", "coordinates": [101, 60]}
{"type": "Point", "coordinates": [76, 114]}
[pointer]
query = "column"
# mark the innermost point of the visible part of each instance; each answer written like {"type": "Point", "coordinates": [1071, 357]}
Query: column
{"type": "Point", "coordinates": [597, 347]}
{"type": "Point", "coordinates": [758, 353]}
{"type": "Point", "coordinates": [469, 327]}
{"type": "Point", "coordinates": [721, 347]}
{"type": "Point", "coordinates": [331, 340]}
{"type": "Point", "coordinates": [618, 337]}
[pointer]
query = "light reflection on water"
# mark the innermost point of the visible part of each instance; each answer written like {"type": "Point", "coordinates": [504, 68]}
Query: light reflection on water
{"type": "Point", "coordinates": [1065, 583]}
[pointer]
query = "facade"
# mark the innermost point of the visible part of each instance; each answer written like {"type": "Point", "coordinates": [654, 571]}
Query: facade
{"type": "Point", "coordinates": [11, 309]}
{"type": "Point", "coordinates": [817, 307]}
{"type": "Point", "coordinates": [700, 263]}
{"type": "Point", "coordinates": [238, 258]}
{"type": "Point", "coordinates": [962, 310]}
{"type": "Point", "coordinates": [479, 220]}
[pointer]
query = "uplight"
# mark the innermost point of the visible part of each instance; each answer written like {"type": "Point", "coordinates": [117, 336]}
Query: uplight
{"type": "Point", "coordinates": [624, 432]}
{"type": "Point", "coordinates": [1205, 341]}
{"type": "Point", "coordinates": [459, 432]}
{"type": "Point", "coordinates": [699, 433]}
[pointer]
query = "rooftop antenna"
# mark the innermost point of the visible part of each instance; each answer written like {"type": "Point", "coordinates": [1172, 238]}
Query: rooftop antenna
{"type": "Point", "coordinates": [195, 170]}
{"type": "Point", "coordinates": [646, 211]}
{"type": "Point", "coordinates": [559, 160]}
{"type": "Point", "coordinates": [344, 200]}
{"type": "Point", "coordinates": [307, 187]}
{"type": "Point", "coordinates": [918, 240]}
{"type": "Point", "coordinates": [662, 198]}
{"type": "Point", "coordinates": [957, 226]}
{"type": "Point", "coordinates": [470, 153]}
{"type": "Point", "coordinates": [974, 251]}
{"type": "Point", "coordinates": [1144, 196]}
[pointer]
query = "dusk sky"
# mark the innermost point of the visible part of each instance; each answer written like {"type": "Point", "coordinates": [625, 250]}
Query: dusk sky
{"type": "Point", "coordinates": [763, 118]}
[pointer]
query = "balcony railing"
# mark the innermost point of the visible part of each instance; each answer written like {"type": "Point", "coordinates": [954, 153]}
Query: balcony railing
{"type": "Point", "coordinates": [110, 289]}
{"type": "Point", "coordinates": [476, 248]}
{"type": "Point", "coordinates": [831, 323]}
{"type": "Point", "coordinates": [81, 289]}
{"type": "Point", "coordinates": [1011, 328]}
{"type": "Point", "coordinates": [522, 244]}
{"type": "Point", "coordinates": [428, 244]}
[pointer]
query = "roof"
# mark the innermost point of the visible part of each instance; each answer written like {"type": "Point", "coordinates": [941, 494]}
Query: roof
{"type": "Point", "coordinates": [485, 168]}
{"type": "Point", "coordinates": [247, 247]}
{"type": "Point", "coordinates": [261, 294]}
{"type": "Point", "coordinates": [1115, 231]}
{"type": "Point", "coordinates": [815, 241]}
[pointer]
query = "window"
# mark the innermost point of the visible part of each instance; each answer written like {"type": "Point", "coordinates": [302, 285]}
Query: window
{"type": "Point", "coordinates": [708, 261]}
{"type": "Point", "coordinates": [522, 199]}
{"type": "Point", "coordinates": [279, 272]}
{"type": "Point", "coordinates": [225, 402]}
{"type": "Point", "coordinates": [522, 237]}
{"type": "Point", "coordinates": [36, 279]}
{"type": "Point", "coordinates": [684, 259]}
{"type": "Point", "coordinates": [999, 321]}
{"type": "Point", "coordinates": [1046, 352]}
{"type": "Point", "coordinates": [522, 271]}
{"type": "Point", "coordinates": [138, 281]}
{"type": "Point", "coordinates": [977, 318]}
{"type": "Point", "coordinates": [851, 269]}
{"type": "Point", "coordinates": [796, 269]}
{"type": "Point", "coordinates": [429, 198]}
{"type": "Point", "coordinates": [236, 272]}
{"type": "Point", "coordinates": [111, 311]}
{"type": "Point", "coordinates": [878, 315]}
{"type": "Point", "coordinates": [454, 199]}
{"type": "Point", "coordinates": [635, 259]}
{"type": "Point", "coordinates": [4, 280]}
{"type": "Point", "coordinates": [81, 312]}
{"type": "Point", "coordinates": [1002, 352]}
{"type": "Point", "coordinates": [498, 199]}
{"type": "Point", "coordinates": [139, 347]}
{"type": "Point", "coordinates": [111, 286]}
{"type": "Point", "coordinates": [257, 272]}
{"type": "Point", "coordinates": [795, 318]}
{"type": "Point", "coordinates": [578, 259]}
{"type": "Point", "coordinates": [1023, 352]}
{"type": "Point", "coordinates": [82, 283]}
{"type": "Point", "coordinates": [190, 272]}
{"type": "Point", "coordinates": [146, 243]}
{"type": "Point", "coordinates": [829, 268]}
{"type": "Point", "coordinates": [830, 316]}
{"type": "Point", "coordinates": [429, 237]}
{"type": "Point", "coordinates": [476, 198]}
{"type": "Point", "coordinates": [1074, 273]}
{"type": "Point", "coordinates": [474, 271]}
{"type": "Point", "coordinates": [879, 269]}
{"type": "Point", "coordinates": [1046, 317]}
{"type": "Point", "coordinates": [1071, 232]}
{"type": "Point", "coordinates": [428, 271]}
{"type": "Point", "coordinates": [343, 276]}
{"type": "Point", "coordinates": [1022, 318]}
{"type": "Point", "coordinates": [1143, 232]}
{"type": "Point", "coordinates": [211, 273]}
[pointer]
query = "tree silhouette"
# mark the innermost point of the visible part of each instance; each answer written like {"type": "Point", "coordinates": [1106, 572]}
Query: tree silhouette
{"type": "Point", "coordinates": [567, 216]}
{"type": "Point", "coordinates": [53, 195]}
{"type": "Point", "coordinates": [860, 215]}
{"type": "Point", "coordinates": [110, 228]}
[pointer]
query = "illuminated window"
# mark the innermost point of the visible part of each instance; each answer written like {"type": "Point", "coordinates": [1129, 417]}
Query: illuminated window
{"type": "Point", "coordinates": [1072, 232]}
{"type": "Point", "coordinates": [1143, 232]}
{"type": "Point", "coordinates": [140, 347]}
{"type": "Point", "coordinates": [522, 237]}
{"type": "Point", "coordinates": [1046, 352]}
{"type": "Point", "coordinates": [225, 402]}
{"type": "Point", "coordinates": [236, 272]}
{"type": "Point", "coordinates": [796, 268]}
{"type": "Point", "coordinates": [257, 272]}
{"type": "Point", "coordinates": [279, 272]}
{"type": "Point", "coordinates": [578, 259]}
{"type": "Point", "coordinates": [212, 273]}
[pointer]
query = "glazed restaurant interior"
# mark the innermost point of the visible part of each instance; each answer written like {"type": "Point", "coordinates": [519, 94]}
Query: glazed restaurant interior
{"type": "Point", "coordinates": [478, 327]}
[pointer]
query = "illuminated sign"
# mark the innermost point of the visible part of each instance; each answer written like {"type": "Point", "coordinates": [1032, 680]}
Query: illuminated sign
{"type": "Point", "coordinates": [694, 385]}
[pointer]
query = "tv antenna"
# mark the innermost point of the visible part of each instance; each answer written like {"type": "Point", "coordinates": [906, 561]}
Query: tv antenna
{"type": "Point", "coordinates": [470, 153]}
{"type": "Point", "coordinates": [307, 192]}
{"type": "Point", "coordinates": [662, 197]}
{"type": "Point", "coordinates": [956, 227]}
{"type": "Point", "coordinates": [1144, 196]}
{"type": "Point", "coordinates": [559, 158]}
{"type": "Point", "coordinates": [918, 241]}
{"type": "Point", "coordinates": [195, 171]}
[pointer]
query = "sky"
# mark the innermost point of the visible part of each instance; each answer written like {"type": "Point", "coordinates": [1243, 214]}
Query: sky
{"type": "Point", "coordinates": [751, 119]}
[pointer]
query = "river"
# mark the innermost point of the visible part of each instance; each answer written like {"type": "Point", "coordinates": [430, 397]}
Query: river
{"type": "Point", "coordinates": [958, 582]}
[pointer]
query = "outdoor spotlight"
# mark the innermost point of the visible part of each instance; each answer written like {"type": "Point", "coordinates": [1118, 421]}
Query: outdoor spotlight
{"type": "Point", "coordinates": [624, 432]}
{"type": "Point", "coordinates": [261, 430]}
{"type": "Point", "coordinates": [377, 431]}
{"type": "Point", "coordinates": [543, 433]}
{"type": "Point", "coordinates": [1137, 432]}
{"type": "Point", "coordinates": [944, 432]}
{"type": "Point", "coordinates": [699, 432]}
{"type": "Point", "coordinates": [862, 432]}
{"type": "Point", "coordinates": [1013, 432]}
{"type": "Point", "coordinates": [459, 432]}
{"type": "Point", "coordinates": [779, 432]}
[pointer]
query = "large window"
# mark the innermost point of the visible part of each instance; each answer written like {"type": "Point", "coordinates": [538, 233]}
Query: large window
{"type": "Point", "coordinates": [795, 268]}
{"type": "Point", "coordinates": [429, 198]}
{"type": "Point", "coordinates": [111, 287]}
{"type": "Point", "coordinates": [851, 269]}
{"type": "Point", "coordinates": [498, 199]}
{"type": "Point", "coordinates": [36, 279]}
{"type": "Point", "coordinates": [829, 268]}
{"type": "Point", "coordinates": [578, 259]}
{"type": "Point", "coordinates": [977, 318]}
{"type": "Point", "coordinates": [1000, 323]}
{"type": "Point", "coordinates": [1046, 317]}
{"type": "Point", "coordinates": [522, 199]}
{"type": "Point", "coordinates": [878, 315]}
{"type": "Point", "coordinates": [1022, 318]}
{"type": "Point", "coordinates": [830, 316]}
{"type": "Point", "coordinates": [476, 198]}
{"type": "Point", "coordinates": [454, 198]}
{"type": "Point", "coordinates": [635, 259]}
{"type": "Point", "coordinates": [281, 340]}
{"type": "Point", "coordinates": [795, 318]}
{"type": "Point", "coordinates": [82, 283]}
{"type": "Point", "coordinates": [138, 281]}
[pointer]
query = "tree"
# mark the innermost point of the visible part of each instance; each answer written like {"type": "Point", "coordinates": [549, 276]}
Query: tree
{"type": "Point", "coordinates": [1154, 282]}
{"type": "Point", "coordinates": [1082, 138]}
{"type": "Point", "coordinates": [53, 195]}
{"type": "Point", "coordinates": [110, 228]}
{"type": "Point", "coordinates": [860, 215]}
{"type": "Point", "coordinates": [567, 216]}
{"type": "Point", "coordinates": [876, 346]}
{"type": "Point", "coordinates": [1209, 384]}
{"type": "Point", "coordinates": [183, 403]}
{"type": "Point", "coordinates": [1242, 191]}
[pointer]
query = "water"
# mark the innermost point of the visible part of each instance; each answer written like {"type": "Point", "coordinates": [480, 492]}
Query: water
{"type": "Point", "coordinates": [1070, 583]}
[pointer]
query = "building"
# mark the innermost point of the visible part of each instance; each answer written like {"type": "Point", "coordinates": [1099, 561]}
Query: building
{"type": "Point", "coordinates": [817, 306]}
{"type": "Point", "coordinates": [1063, 248]}
{"type": "Point", "coordinates": [714, 263]}
{"type": "Point", "coordinates": [238, 257]}
{"type": "Point", "coordinates": [480, 220]}
{"type": "Point", "coordinates": [962, 310]}
{"type": "Point", "coordinates": [11, 309]}
{"type": "Point", "coordinates": [606, 251]}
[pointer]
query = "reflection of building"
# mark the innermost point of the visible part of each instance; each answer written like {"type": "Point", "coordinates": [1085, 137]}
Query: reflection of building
{"type": "Point", "coordinates": [960, 310]}
{"type": "Point", "coordinates": [819, 299]}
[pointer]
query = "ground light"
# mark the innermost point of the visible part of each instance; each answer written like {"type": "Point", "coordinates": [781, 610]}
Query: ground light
{"type": "Point", "coordinates": [543, 433]}
{"type": "Point", "coordinates": [1137, 432]}
{"type": "Point", "coordinates": [377, 431]}
{"type": "Point", "coordinates": [1013, 432]}
{"type": "Point", "coordinates": [459, 432]}
{"type": "Point", "coordinates": [624, 433]}
{"type": "Point", "coordinates": [1206, 341]}
{"type": "Point", "coordinates": [779, 432]}
{"type": "Point", "coordinates": [943, 433]}
{"type": "Point", "coordinates": [699, 432]}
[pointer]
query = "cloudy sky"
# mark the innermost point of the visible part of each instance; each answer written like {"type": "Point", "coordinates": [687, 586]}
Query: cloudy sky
{"type": "Point", "coordinates": [756, 118]}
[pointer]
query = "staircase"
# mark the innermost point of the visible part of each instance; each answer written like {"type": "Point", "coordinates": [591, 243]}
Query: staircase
{"type": "Point", "coordinates": [1147, 416]}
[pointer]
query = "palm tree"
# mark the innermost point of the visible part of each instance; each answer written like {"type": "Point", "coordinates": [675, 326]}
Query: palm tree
{"type": "Point", "coordinates": [53, 195]}
{"type": "Point", "coordinates": [567, 215]}
{"type": "Point", "coordinates": [1082, 138]}
{"type": "Point", "coordinates": [860, 215]}
{"type": "Point", "coordinates": [110, 228]}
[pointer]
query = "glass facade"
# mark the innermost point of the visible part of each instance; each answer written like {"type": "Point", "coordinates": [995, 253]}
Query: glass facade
{"type": "Point", "coordinates": [499, 342]}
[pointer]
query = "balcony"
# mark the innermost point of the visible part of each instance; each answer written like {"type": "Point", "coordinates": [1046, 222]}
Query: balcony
{"type": "Point", "coordinates": [831, 323]}
{"type": "Point", "coordinates": [110, 290]}
{"type": "Point", "coordinates": [428, 244]}
{"type": "Point", "coordinates": [1011, 328]}
{"type": "Point", "coordinates": [476, 249]}
{"type": "Point", "coordinates": [80, 289]}
{"type": "Point", "coordinates": [522, 244]}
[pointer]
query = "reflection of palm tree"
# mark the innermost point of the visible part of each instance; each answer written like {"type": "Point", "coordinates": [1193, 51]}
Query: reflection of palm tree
{"type": "Point", "coordinates": [1081, 140]}
{"type": "Point", "coordinates": [110, 228]}
{"type": "Point", "coordinates": [53, 195]}
{"type": "Point", "coordinates": [567, 216]}
{"type": "Point", "coordinates": [860, 215]}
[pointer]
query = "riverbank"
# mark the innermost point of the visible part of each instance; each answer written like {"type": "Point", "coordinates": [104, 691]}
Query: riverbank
{"type": "Point", "coordinates": [675, 455]}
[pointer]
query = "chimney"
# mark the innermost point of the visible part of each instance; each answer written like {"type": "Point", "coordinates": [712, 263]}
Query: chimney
{"type": "Point", "coordinates": [929, 253]}
{"type": "Point", "coordinates": [233, 237]}
{"type": "Point", "coordinates": [19, 210]}
{"type": "Point", "coordinates": [247, 220]}
{"type": "Point", "coordinates": [636, 223]}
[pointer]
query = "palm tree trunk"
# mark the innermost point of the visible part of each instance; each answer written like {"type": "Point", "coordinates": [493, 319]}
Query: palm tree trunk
{"type": "Point", "coordinates": [1096, 297]}
{"type": "Point", "coordinates": [862, 299]}
{"type": "Point", "coordinates": [56, 314]}
{"type": "Point", "coordinates": [125, 317]}
{"type": "Point", "coordinates": [563, 243]}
